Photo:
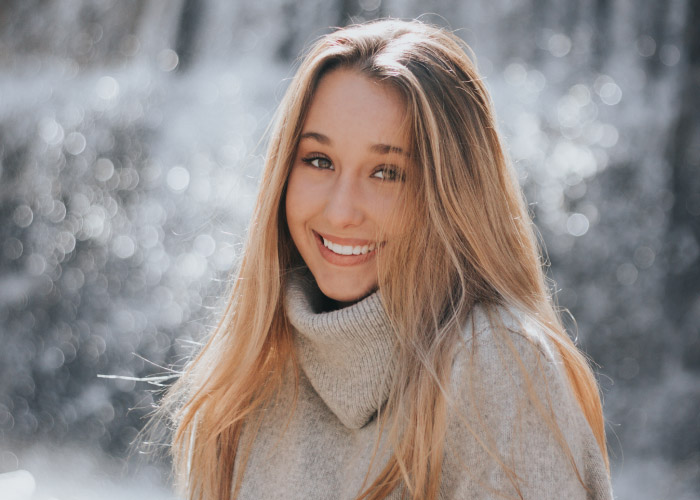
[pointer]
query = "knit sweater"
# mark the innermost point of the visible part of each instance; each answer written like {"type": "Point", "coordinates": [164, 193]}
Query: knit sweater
{"type": "Point", "coordinates": [321, 446]}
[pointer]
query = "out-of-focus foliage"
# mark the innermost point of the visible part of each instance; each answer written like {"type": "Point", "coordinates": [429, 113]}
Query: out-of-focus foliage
{"type": "Point", "coordinates": [125, 189]}
{"type": "Point", "coordinates": [128, 166]}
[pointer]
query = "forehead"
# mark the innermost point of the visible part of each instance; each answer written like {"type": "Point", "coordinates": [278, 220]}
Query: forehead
{"type": "Point", "coordinates": [350, 106]}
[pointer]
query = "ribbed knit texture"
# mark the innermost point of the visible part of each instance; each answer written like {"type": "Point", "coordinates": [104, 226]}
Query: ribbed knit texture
{"type": "Point", "coordinates": [322, 446]}
{"type": "Point", "coordinates": [347, 354]}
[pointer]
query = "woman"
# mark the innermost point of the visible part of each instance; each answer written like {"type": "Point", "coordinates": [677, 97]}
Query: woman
{"type": "Point", "coordinates": [389, 333]}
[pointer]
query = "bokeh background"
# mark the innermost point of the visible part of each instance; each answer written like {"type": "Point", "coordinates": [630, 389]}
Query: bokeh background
{"type": "Point", "coordinates": [130, 151]}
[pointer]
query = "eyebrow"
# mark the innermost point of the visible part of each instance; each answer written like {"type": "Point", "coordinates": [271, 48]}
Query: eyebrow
{"type": "Point", "coordinates": [375, 148]}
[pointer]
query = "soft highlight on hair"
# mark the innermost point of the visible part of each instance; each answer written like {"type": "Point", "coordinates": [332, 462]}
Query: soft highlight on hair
{"type": "Point", "coordinates": [471, 241]}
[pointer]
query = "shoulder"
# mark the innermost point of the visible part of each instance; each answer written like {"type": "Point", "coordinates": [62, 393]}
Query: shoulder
{"type": "Point", "coordinates": [507, 368]}
{"type": "Point", "coordinates": [515, 421]}
{"type": "Point", "coordinates": [498, 337]}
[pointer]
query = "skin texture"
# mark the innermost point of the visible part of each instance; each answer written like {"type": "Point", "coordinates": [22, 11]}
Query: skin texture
{"type": "Point", "coordinates": [346, 181]}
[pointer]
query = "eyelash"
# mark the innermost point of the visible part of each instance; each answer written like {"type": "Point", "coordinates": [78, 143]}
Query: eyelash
{"type": "Point", "coordinates": [393, 173]}
{"type": "Point", "coordinates": [310, 159]}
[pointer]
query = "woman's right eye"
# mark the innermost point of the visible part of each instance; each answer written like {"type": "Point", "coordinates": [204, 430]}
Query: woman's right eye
{"type": "Point", "coordinates": [318, 162]}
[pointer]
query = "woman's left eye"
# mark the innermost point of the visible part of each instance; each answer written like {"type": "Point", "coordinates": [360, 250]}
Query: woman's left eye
{"type": "Point", "coordinates": [389, 173]}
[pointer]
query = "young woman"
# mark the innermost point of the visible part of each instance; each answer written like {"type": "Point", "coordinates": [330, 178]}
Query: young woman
{"type": "Point", "coordinates": [389, 333]}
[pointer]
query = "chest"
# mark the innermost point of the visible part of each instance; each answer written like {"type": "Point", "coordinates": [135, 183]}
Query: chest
{"type": "Point", "coordinates": [302, 451]}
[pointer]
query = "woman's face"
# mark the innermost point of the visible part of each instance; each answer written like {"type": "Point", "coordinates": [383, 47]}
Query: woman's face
{"type": "Point", "coordinates": [343, 189]}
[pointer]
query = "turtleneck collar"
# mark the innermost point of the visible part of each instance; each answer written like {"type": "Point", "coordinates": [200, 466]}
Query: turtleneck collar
{"type": "Point", "coordinates": [347, 354]}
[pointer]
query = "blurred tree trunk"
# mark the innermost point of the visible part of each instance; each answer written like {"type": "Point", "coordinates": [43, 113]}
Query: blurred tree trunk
{"type": "Point", "coordinates": [188, 27]}
{"type": "Point", "coordinates": [659, 31]}
{"type": "Point", "coordinates": [601, 37]}
{"type": "Point", "coordinates": [683, 281]}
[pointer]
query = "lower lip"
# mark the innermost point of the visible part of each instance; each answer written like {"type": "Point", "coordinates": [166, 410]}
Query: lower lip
{"type": "Point", "coordinates": [342, 260]}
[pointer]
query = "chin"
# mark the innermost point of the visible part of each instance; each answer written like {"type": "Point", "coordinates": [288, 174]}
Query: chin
{"type": "Point", "coordinates": [347, 294]}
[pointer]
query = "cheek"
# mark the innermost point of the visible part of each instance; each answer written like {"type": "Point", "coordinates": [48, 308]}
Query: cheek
{"type": "Point", "coordinates": [390, 214]}
{"type": "Point", "coordinates": [296, 205]}
{"type": "Point", "coordinates": [291, 204]}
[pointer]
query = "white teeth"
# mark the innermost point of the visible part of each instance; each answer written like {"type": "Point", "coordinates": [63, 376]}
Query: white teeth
{"type": "Point", "coordinates": [347, 249]}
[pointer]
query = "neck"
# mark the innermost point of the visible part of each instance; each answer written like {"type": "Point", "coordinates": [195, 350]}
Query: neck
{"type": "Point", "coordinates": [347, 353]}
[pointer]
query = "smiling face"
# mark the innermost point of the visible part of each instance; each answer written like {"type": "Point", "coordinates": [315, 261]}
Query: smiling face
{"type": "Point", "coordinates": [343, 192]}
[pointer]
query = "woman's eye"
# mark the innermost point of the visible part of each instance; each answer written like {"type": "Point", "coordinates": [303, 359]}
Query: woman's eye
{"type": "Point", "coordinates": [389, 173]}
{"type": "Point", "coordinates": [318, 162]}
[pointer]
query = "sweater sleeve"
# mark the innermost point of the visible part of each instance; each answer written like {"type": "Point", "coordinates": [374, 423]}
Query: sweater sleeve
{"type": "Point", "coordinates": [499, 443]}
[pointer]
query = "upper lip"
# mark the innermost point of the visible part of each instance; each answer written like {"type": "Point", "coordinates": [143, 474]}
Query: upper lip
{"type": "Point", "coordinates": [345, 241]}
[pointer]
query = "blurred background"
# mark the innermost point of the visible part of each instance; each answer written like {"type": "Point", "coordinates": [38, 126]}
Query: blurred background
{"type": "Point", "coordinates": [130, 151]}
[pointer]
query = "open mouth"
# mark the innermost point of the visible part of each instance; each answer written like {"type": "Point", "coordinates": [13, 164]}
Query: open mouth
{"type": "Point", "coordinates": [348, 249]}
{"type": "Point", "coordinates": [347, 252]}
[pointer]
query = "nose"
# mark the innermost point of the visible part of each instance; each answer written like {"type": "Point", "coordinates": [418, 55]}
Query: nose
{"type": "Point", "coordinates": [344, 203]}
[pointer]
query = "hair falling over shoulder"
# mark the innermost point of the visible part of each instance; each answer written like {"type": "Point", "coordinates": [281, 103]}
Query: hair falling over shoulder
{"type": "Point", "coordinates": [472, 241]}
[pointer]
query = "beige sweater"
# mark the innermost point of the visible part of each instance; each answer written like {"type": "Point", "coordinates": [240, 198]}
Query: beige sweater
{"type": "Point", "coordinates": [321, 448]}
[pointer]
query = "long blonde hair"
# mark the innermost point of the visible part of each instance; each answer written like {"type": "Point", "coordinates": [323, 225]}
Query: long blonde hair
{"type": "Point", "coordinates": [471, 242]}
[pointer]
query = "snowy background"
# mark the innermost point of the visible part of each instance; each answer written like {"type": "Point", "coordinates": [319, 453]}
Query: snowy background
{"type": "Point", "coordinates": [130, 150]}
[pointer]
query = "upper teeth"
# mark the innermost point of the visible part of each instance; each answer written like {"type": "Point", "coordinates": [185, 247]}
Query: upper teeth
{"type": "Point", "coordinates": [348, 249]}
